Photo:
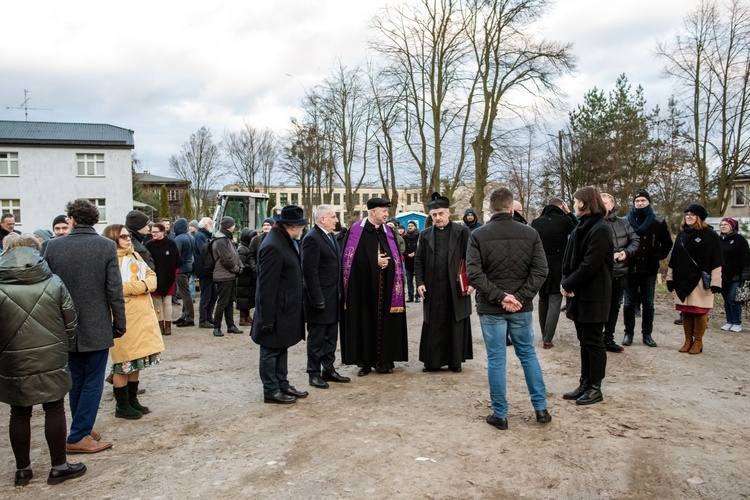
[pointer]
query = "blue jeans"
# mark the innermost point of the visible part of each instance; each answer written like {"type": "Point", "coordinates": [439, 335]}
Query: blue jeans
{"type": "Point", "coordinates": [87, 371]}
{"type": "Point", "coordinates": [273, 370]}
{"type": "Point", "coordinates": [732, 309]}
{"type": "Point", "coordinates": [521, 330]}
{"type": "Point", "coordinates": [191, 283]}
{"type": "Point", "coordinates": [639, 285]}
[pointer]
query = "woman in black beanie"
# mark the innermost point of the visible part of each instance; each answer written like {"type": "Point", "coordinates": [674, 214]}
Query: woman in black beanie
{"type": "Point", "coordinates": [694, 275]}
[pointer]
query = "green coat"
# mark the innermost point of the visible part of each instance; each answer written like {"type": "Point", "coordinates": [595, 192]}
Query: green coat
{"type": "Point", "coordinates": [37, 326]}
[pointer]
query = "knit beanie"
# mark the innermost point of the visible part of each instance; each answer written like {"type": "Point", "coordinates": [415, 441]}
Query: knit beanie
{"type": "Point", "coordinates": [60, 218]}
{"type": "Point", "coordinates": [641, 193]}
{"type": "Point", "coordinates": [193, 223]}
{"type": "Point", "coordinates": [732, 222]}
{"type": "Point", "coordinates": [227, 222]}
{"type": "Point", "coordinates": [136, 220]}
{"type": "Point", "coordinates": [698, 210]}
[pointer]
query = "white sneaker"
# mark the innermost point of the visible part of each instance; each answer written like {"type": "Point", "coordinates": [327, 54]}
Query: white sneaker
{"type": "Point", "coordinates": [736, 328]}
{"type": "Point", "coordinates": [727, 327]}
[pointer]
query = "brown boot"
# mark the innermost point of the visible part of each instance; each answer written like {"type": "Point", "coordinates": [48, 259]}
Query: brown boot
{"type": "Point", "coordinates": [245, 318]}
{"type": "Point", "coordinates": [161, 327]}
{"type": "Point", "coordinates": [688, 343]}
{"type": "Point", "coordinates": [701, 322]}
{"type": "Point", "coordinates": [167, 328]}
{"type": "Point", "coordinates": [697, 346]}
{"type": "Point", "coordinates": [688, 327]}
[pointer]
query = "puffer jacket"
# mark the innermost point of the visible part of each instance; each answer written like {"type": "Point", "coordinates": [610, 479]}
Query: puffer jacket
{"type": "Point", "coordinates": [247, 278]}
{"type": "Point", "coordinates": [225, 254]}
{"type": "Point", "coordinates": [185, 244]}
{"type": "Point", "coordinates": [33, 345]}
{"type": "Point", "coordinates": [625, 240]}
{"type": "Point", "coordinates": [505, 257]}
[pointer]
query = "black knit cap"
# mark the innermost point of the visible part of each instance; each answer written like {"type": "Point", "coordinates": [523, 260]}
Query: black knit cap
{"type": "Point", "coordinates": [698, 210]}
{"type": "Point", "coordinates": [60, 218]}
{"type": "Point", "coordinates": [641, 193]}
{"type": "Point", "coordinates": [136, 220]}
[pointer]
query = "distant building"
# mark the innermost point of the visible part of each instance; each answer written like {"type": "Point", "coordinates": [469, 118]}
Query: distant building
{"type": "Point", "coordinates": [739, 205]}
{"type": "Point", "coordinates": [177, 189]}
{"type": "Point", "coordinates": [45, 165]}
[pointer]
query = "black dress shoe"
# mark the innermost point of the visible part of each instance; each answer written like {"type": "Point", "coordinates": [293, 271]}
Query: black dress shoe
{"type": "Point", "coordinates": [234, 329]}
{"type": "Point", "coordinates": [291, 391]}
{"type": "Point", "coordinates": [456, 369]}
{"type": "Point", "coordinates": [500, 423]}
{"type": "Point", "coordinates": [217, 332]}
{"type": "Point", "coordinates": [279, 398]}
{"type": "Point", "coordinates": [649, 341]}
{"type": "Point", "coordinates": [627, 339]}
{"type": "Point", "coordinates": [185, 323]}
{"type": "Point", "coordinates": [335, 377]}
{"type": "Point", "coordinates": [59, 476]}
{"type": "Point", "coordinates": [365, 370]}
{"type": "Point", "coordinates": [23, 477]}
{"type": "Point", "coordinates": [593, 395]}
{"type": "Point", "coordinates": [179, 322]}
{"type": "Point", "coordinates": [317, 381]}
{"type": "Point", "coordinates": [543, 416]}
{"type": "Point", "coordinates": [206, 324]}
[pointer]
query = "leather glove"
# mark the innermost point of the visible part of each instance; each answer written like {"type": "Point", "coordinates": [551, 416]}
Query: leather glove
{"type": "Point", "coordinates": [118, 332]}
{"type": "Point", "coordinates": [319, 307]}
{"type": "Point", "coordinates": [670, 285]}
{"type": "Point", "coordinates": [716, 289]}
{"type": "Point", "coordinates": [266, 328]}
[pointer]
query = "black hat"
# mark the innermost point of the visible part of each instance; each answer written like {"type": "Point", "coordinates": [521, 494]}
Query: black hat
{"type": "Point", "coordinates": [698, 210]}
{"type": "Point", "coordinates": [60, 218]}
{"type": "Point", "coordinates": [135, 220]}
{"type": "Point", "coordinates": [641, 193]}
{"type": "Point", "coordinates": [226, 222]}
{"type": "Point", "coordinates": [377, 202]}
{"type": "Point", "coordinates": [292, 215]}
{"type": "Point", "coordinates": [437, 201]}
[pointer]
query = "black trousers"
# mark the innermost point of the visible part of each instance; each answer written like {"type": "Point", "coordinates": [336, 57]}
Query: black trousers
{"type": "Point", "coordinates": [549, 314]}
{"type": "Point", "coordinates": [618, 288]}
{"type": "Point", "coordinates": [593, 354]}
{"type": "Point", "coordinates": [224, 303]}
{"type": "Point", "coordinates": [321, 347]}
{"type": "Point", "coordinates": [208, 299]}
{"type": "Point", "coordinates": [183, 285]}
{"type": "Point", "coordinates": [55, 431]}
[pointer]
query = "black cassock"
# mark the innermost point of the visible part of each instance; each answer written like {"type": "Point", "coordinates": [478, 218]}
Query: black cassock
{"type": "Point", "coordinates": [372, 335]}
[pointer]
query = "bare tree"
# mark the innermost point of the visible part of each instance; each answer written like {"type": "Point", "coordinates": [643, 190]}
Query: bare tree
{"type": "Point", "coordinates": [250, 155]}
{"type": "Point", "coordinates": [199, 163]}
{"type": "Point", "coordinates": [307, 161]}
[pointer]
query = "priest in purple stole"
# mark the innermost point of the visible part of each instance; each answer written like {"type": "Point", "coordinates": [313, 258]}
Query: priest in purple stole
{"type": "Point", "coordinates": [373, 325]}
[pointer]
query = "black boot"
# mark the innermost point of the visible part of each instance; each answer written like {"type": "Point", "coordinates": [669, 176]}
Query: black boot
{"type": "Point", "coordinates": [610, 344]}
{"type": "Point", "coordinates": [648, 340]}
{"type": "Point", "coordinates": [133, 398]}
{"type": "Point", "coordinates": [579, 391]}
{"type": "Point", "coordinates": [592, 395]}
{"type": "Point", "coordinates": [627, 339]}
{"type": "Point", "coordinates": [123, 409]}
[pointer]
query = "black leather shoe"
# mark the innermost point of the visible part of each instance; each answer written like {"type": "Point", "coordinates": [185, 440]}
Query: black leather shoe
{"type": "Point", "coordinates": [185, 323]}
{"type": "Point", "coordinates": [217, 332]}
{"type": "Point", "coordinates": [593, 395]}
{"type": "Point", "coordinates": [291, 391]}
{"type": "Point", "coordinates": [279, 398]}
{"type": "Point", "coordinates": [317, 381]}
{"type": "Point", "coordinates": [179, 322]}
{"type": "Point", "coordinates": [627, 339]}
{"type": "Point", "coordinates": [23, 477]}
{"type": "Point", "coordinates": [59, 476]}
{"type": "Point", "coordinates": [335, 377]}
{"type": "Point", "coordinates": [543, 416]}
{"type": "Point", "coordinates": [649, 341]}
{"type": "Point", "coordinates": [500, 423]}
{"type": "Point", "coordinates": [206, 324]}
{"type": "Point", "coordinates": [456, 369]}
{"type": "Point", "coordinates": [579, 391]}
{"type": "Point", "coordinates": [611, 346]}
{"type": "Point", "coordinates": [365, 370]}
{"type": "Point", "coordinates": [234, 329]}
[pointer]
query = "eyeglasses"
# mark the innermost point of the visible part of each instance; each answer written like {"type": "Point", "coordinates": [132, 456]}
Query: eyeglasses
{"type": "Point", "coordinates": [688, 214]}
{"type": "Point", "coordinates": [124, 236]}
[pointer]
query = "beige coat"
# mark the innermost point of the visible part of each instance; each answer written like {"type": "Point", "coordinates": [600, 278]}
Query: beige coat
{"type": "Point", "coordinates": [143, 336]}
{"type": "Point", "coordinates": [699, 297]}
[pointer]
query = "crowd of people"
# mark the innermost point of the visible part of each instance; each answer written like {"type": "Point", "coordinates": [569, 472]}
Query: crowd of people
{"type": "Point", "coordinates": [295, 279]}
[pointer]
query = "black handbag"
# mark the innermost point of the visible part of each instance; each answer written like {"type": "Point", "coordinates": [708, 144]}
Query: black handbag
{"type": "Point", "coordinates": [705, 277]}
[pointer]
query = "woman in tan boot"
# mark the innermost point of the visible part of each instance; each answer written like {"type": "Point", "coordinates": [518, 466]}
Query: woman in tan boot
{"type": "Point", "coordinates": [694, 275]}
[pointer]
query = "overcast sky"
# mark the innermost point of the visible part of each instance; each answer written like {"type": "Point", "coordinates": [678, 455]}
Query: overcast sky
{"type": "Point", "coordinates": [164, 69]}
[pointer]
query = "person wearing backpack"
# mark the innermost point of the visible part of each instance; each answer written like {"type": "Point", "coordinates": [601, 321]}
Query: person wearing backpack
{"type": "Point", "coordinates": [226, 268]}
{"type": "Point", "coordinates": [204, 274]}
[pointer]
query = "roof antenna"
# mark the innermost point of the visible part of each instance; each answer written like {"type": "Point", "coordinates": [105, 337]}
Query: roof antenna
{"type": "Point", "coordinates": [25, 105]}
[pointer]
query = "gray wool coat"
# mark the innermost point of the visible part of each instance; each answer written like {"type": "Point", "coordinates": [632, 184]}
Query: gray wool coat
{"type": "Point", "coordinates": [87, 264]}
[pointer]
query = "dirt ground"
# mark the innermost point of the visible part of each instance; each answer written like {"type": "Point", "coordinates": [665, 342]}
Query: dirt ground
{"type": "Point", "coordinates": [672, 425]}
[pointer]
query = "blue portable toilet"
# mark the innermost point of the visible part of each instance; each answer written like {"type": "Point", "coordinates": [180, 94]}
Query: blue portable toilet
{"type": "Point", "coordinates": [404, 217]}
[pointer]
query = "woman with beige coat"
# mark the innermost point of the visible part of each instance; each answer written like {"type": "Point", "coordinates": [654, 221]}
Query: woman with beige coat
{"type": "Point", "coordinates": [142, 344]}
{"type": "Point", "coordinates": [694, 275]}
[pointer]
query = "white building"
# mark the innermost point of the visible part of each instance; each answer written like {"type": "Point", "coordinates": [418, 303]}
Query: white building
{"type": "Point", "coordinates": [43, 166]}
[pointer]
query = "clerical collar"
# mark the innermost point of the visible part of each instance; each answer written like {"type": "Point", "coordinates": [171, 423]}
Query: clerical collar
{"type": "Point", "coordinates": [441, 228]}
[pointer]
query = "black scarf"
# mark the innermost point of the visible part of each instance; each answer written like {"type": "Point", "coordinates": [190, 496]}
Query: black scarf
{"type": "Point", "coordinates": [641, 218]}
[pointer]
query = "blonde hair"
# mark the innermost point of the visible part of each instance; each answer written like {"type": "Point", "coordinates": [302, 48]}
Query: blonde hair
{"type": "Point", "coordinates": [14, 240]}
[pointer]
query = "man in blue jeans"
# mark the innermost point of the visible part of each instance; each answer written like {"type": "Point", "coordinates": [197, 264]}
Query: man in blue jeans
{"type": "Point", "coordinates": [506, 264]}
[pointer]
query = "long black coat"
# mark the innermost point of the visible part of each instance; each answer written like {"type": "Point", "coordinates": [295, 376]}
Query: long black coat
{"type": "Point", "coordinates": [278, 299]}
{"type": "Point", "coordinates": [587, 271]}
{"type": "Point", "coordinates": [246, 278]}
{"type": "Point", "coordinates": [554, 227]}
{"type": "Point", "coordinates": [321, 268]}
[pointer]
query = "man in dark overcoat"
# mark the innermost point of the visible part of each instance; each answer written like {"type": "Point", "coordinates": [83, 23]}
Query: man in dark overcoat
{"type": "Point", "coordinates": [278, 323]}
{"type": "Point", "coordinates": [446, 329]}
{"type": "Point", "coordinates": [321, 268]}
{"type": "Point", "coordinates": [87, 264]}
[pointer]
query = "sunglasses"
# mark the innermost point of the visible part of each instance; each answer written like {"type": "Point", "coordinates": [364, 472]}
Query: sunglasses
{"type": "Point", "coordinates": [124, 236]}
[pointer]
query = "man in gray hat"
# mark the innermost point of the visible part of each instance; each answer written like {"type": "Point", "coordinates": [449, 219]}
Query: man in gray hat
{"type": "Point", "coordinates": [225, 271]}
{"type": "Point", "coordinates": [374, 323]}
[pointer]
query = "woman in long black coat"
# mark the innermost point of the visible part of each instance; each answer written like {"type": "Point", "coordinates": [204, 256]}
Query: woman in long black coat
{"type": "Point", "coordinates": [587, 283]}
{"type": "Point", "coordinates": [245, 290]}
{"type": "Point", "coordinates": [166, 262]}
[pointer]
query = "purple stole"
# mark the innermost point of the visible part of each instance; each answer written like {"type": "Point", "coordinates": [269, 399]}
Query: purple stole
{"type": "Point", "coordinates": [355, 233]}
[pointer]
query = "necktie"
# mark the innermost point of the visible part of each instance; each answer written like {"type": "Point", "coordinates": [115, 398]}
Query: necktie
{"type": "Point", "coordinates": [333, 242]}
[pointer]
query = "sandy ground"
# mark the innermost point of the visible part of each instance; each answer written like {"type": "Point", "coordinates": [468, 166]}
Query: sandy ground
{"type": "Point", "coordinates": [671, 426]}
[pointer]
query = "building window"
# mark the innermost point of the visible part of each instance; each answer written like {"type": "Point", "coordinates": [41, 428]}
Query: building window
{"type": "Point", "coordinates": [101, 204]}
{"type": "Point", "coordinates": [327, 198]}
{"type": "Point", "coordinates": [283, 199]}
{"type": "Point", "coordinates": [316, 199]}
{"type": "Point", "coordinates": [408, 198]}
{"type": "Point", "coordinates": [363, 214]}
{"type": "Point", "coordinates": [295, 198]}
{"type": "Point", "coordinates": [356, 198]}
{"type": "Point", "coordinates": [337, 198]}
{"type": "Point", "coordinates": [174, 195]}
{"type": "Point", "coordinates": [739, 196]}
{"type": "Point", "coordinates": [11, 207]}
{"type": "Point", "coordinates": [8, 163]}
{"type": "Point", "coordinates": [90, 164]}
